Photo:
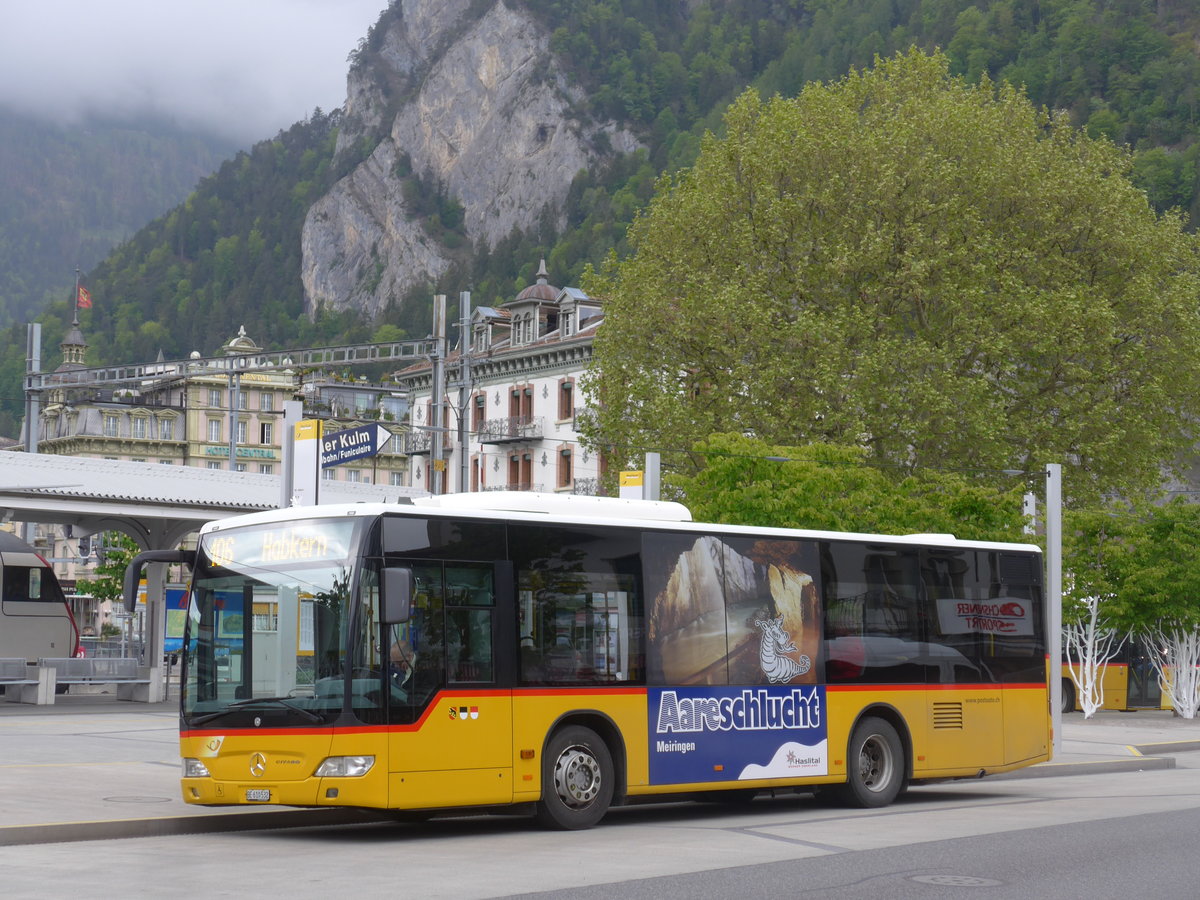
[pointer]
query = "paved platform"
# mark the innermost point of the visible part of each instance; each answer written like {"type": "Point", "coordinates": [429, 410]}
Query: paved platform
{"type": "Point", "coordinates": [95, 767]}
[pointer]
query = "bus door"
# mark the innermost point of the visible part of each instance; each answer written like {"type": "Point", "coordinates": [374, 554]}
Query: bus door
{"type": "Point", "coordinates": [1144, 691]}
{"type": "Point", "coordinates": [451, 727]}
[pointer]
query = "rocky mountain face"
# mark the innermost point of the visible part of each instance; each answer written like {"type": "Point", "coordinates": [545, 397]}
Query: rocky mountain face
{"type": "Point", "coordinates": [472, 98]}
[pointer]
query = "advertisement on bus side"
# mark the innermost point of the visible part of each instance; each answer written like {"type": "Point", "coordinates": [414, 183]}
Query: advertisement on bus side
{"type": "Point", "coordinates": [737, 733]}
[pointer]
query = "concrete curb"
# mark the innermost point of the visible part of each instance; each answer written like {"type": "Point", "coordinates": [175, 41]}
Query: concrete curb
{"type": "Point", "coordinates": [104, 830]}
{"type": "Point", "coordinates": [1165, 747]}
{"type": "Point", "coordinates": [1088, 767]}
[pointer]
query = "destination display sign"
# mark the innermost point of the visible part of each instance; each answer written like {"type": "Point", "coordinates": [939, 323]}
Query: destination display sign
{"type": "Point", "coordinates": [353, 443]}
{"type": "Point", "coordinates": [268, 546]}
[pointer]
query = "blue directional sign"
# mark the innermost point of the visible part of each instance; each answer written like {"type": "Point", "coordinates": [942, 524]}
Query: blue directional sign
{"type": "Point", "coordinates": [351, 444]}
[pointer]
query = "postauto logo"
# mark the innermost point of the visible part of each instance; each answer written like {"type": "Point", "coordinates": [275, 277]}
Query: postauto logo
{"type": "Point", "coordinates": [739, 733]}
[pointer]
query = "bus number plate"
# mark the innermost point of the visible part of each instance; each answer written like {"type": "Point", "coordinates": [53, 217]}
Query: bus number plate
{"type": "Point", "coordinates": [261, 795]}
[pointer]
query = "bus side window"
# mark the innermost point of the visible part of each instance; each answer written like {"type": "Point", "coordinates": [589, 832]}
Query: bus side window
{"type": "Point", "coordinates": [579, 604]}
{"type": "Point", "coordinates": [873, 621]}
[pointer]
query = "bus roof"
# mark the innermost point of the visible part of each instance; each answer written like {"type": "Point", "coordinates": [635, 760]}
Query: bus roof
{"type": "Point", "coordinates": [531, 506]}
{"type": "Point", "coordinates": [565, 505]}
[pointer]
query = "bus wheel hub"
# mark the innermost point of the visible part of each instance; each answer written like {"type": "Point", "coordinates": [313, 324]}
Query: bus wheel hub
{"type": "Point", "coordinates": [577, 776]}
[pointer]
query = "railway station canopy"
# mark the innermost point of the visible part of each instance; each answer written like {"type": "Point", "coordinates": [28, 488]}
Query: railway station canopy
{"type": "Point", "coordinates": [156, 505]}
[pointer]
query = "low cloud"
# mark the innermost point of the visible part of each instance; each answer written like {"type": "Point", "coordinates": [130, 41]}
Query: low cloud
{"type": "Point", "coordinates": [243, 70]}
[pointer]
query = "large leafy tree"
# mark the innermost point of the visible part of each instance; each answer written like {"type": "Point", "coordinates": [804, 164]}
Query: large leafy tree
{"type": "Point", "coordinates": [931, 269]}
{"type": "Point", "coordinates": [745, 481]}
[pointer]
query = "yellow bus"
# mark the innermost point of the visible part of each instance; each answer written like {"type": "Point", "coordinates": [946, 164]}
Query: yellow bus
{"type": "Point", "coordinates": [1129, 680]}
{"type": "Point", "coordinates": [564, 654]}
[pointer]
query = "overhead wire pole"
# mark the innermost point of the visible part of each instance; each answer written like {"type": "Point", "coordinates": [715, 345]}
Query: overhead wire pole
{"type": "Point", "coordinates": [33, 395]}
{"type": "Point", "coordinates": [33, 399]}
{"type": "Point", "coordinates": [464, 388]}
{"type": "Point", "coordinates": [438, 357]}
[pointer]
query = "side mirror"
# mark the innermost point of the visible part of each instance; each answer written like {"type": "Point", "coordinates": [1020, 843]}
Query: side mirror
{"type": "Point", "coordinates": [397, 589]}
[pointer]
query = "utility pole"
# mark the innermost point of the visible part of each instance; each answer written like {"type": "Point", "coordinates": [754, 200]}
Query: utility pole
{"type": "Point", "coordinates": [652, 486]}
{"type": "Point", "coordinates": [438, 358]}
{"type": "Point", "coordinates": [33, 400]}
{"type": "Point", "coordinates": [33, 397]}
{"type": "Point", "coordinates": [1054, 596]}
{"type": "Point", "coordinates": [235, 391]}
{"type": "Point", "coordinates": [464, 389]}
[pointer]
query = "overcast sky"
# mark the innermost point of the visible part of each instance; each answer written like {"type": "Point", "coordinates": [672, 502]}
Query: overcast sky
{"type": "Point", "coordinates": [245, 68]}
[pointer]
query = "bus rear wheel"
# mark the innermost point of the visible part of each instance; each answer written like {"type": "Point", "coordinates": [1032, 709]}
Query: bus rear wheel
{"type": "Point", "coordinates": [875, 765]}
{"type": "Point", "coordinates": [1068, 696]}
{"type": "Point", "coordinates": [577, 779]}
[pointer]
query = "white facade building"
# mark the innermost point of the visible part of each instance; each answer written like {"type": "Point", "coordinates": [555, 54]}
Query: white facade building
{"type": "Point", "coordinates": [521, 400]}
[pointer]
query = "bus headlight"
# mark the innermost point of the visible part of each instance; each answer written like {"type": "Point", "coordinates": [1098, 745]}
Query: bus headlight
{"type": "Point", "coordinates": [193, 768]}
{"type": "Point", "coordinates": [345, 766]}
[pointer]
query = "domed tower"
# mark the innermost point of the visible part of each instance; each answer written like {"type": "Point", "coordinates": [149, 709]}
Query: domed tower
{"type": "Point", "coordinates": [240, 344]}
{"type": "Point", "coordinates": [74, 348]}
{"type": "Point", "coordinates": [534, 312]}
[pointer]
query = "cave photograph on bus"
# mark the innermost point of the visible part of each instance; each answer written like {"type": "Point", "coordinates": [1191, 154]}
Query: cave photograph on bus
{"type": "Point", "coordinates": [728, 610]}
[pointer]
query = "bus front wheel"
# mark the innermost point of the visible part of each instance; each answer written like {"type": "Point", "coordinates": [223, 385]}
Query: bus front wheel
{"type": "Point", "coordinates": [577, 779]}
{"type": "Point", "coordinates": [875, 766]}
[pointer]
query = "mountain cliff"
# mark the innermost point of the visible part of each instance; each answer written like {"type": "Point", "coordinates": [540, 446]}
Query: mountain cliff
{"type": "Point", "coordinates": [479, 136]}
{"type": "Point", "coordinates": [474, 104]}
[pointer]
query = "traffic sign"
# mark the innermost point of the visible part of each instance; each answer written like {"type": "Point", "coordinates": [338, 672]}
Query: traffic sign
{"type": "Point", "coordinates": [351, 444]}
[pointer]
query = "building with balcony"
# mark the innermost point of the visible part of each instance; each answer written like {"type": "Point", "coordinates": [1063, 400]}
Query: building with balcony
{"type": "Point", "coordinates": [215, 415]}
{"type": "Point", "coordinates": [515, 386]}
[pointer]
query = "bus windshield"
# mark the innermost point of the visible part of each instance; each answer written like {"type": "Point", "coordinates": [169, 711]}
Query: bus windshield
{"type": "Point", "coordinates": [266, 623]}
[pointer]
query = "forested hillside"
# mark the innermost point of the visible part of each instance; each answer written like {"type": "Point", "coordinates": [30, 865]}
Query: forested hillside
{"type": "Point", "coordinates": [72, 193]}
{"type": "Point", "coordinates": [230, 255]}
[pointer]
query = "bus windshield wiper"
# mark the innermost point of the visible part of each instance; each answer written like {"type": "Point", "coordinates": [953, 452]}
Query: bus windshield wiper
{"type": "Point", "coordinates": [251, 701]}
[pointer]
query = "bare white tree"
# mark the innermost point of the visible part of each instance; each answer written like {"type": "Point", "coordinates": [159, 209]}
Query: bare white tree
{"type": "Point", "coordinates": [1175, 656]}
{"type": "Point", "coordinates": [1089, 644]}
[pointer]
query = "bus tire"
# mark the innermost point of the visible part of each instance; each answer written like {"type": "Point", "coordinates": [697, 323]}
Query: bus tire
{"type": "Point", "coordinates": [577, 779]}
{"type": "Point", "coordinates": [875, 765]}
{"type": "Point", "coordinates": [1068, 696]}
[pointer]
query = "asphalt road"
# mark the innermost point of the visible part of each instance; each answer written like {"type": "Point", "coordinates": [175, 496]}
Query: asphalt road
{"type": "Point", "coordinates": [1114, 834]}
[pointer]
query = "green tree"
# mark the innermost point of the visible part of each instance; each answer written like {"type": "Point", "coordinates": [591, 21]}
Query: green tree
{"type": "Point", "coordinates": [1160, 589]}
{"type": "Point", "coordinates": [1095, 622]}
{"type": "Point", "coordinates": [109, 583]}
{"type": "Point", "coordinates": [933, 270]}
{"type": "Point", "coordinates": [745, 481]}
{"type": "Point", "coordinates": [1141, 563]}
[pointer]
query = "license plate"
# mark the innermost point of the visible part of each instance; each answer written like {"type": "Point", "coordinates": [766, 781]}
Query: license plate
{"type": "Point", "coordinates": [261, 795]}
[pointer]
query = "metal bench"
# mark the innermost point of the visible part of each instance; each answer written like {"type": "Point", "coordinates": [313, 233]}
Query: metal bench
{"type": "Point", "coordinates": [12, 671]}
{"type": "Point", "coordinates": [24, 683]}
{"type": "Point", "coordinates": [133, 682]}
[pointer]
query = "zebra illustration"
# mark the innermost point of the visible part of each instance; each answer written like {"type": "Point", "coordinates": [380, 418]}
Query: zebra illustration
{"type": "Point", "coordinates": [775, 643]}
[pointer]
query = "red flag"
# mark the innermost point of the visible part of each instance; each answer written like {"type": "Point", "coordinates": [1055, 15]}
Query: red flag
{"type": "Point", "coordinates": [84, 300]}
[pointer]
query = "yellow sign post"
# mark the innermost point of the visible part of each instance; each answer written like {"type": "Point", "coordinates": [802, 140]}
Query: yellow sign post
{"type": "Point", "coordinates": [630, 484]}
